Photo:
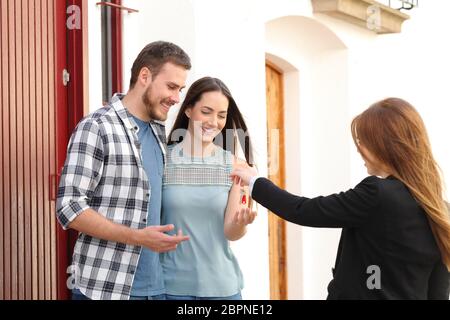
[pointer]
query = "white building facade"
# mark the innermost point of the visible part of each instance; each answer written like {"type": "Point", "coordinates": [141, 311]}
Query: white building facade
{"type": "Point", "coordinates": [332, 71]}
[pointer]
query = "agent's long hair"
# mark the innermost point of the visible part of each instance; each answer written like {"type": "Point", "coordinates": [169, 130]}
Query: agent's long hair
{"type": "Point", "coordinates": [393, 131]}
{"type": "Point", "coordinates": [235, 127]}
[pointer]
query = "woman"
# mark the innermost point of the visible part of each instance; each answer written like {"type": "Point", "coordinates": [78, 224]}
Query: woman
{"type": "Point", "coordinates": [395, 242]}
{"type": "Point", "coordinates": [199, 196]}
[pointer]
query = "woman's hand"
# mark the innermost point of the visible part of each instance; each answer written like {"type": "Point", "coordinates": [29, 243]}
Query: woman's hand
{"type": "Point", "coordinates": [243, 173]}
{"type": "Point", "coordinates": [244, 217]}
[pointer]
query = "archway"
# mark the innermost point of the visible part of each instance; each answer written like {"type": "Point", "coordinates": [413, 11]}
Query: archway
{"type": "Point", "coordinates": [313, 62]}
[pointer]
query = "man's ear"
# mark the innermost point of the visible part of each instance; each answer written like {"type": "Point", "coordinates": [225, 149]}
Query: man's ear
{"type": "Point", "coordinates": [145, 76]}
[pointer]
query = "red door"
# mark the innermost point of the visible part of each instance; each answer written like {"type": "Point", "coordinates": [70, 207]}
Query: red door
{"type": "Point", "coordinates": [33, 99]}
{"type": "Point", "coordinates": [39, 108]}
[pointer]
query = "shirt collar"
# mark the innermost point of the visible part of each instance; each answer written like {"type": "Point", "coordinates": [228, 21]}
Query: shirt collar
{"type": "Point", "coordinates": [116, 103]}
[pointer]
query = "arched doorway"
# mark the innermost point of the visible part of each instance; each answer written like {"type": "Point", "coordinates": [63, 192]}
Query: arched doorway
{"type": "Point", "coordinates": [313, 63]}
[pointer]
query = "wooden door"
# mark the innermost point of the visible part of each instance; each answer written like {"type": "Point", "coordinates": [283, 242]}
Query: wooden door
{"type": "Point", "coordinates": [275, 148]}
{"type": "Point", "coordinates": [30, 78]}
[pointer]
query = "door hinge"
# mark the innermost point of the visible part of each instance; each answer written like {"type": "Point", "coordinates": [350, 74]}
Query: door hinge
{"type": "Point", "coordinates": [66, 77]}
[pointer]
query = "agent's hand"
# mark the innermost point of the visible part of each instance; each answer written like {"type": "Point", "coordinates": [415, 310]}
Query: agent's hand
{"type": "Point", "coordinates": [155, 238]}
{"type": "Point", "coordinates": [244, 217]}
{"type": "Point", "coordinates": [243, 173]}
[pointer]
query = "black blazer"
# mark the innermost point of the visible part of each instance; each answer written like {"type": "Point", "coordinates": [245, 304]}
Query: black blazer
{"type": "Point", "coordinates": [382, 225]}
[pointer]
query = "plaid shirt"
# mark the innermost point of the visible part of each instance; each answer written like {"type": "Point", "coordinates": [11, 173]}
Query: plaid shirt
{"type": "Point", "coordinates": [103, 171]}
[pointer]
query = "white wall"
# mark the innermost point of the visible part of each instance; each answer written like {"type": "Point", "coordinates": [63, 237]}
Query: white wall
{"type": "Point", "coordinates": [334, 70]}
{"type": "Point", "coordinates": [169, 20]}
{"type": "Point", "coordinates": [412, 65]}
{"type": "Point", "coordinates": [95, 56]}
{"type": "Point", "coordinates": [229, 44]}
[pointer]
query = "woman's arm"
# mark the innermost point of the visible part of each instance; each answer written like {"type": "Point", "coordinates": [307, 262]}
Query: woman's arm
{"type": "Point", "coordinates": [237, 214]}
{"type": "Point", "coordinates": [346, 209]}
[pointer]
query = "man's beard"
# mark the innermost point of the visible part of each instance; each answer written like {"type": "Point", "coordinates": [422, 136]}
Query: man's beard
{"type": "Point", "coordinates": [152, 108]}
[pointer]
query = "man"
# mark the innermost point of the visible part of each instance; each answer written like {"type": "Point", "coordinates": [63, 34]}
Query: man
{"type": "Point", "coordinates": [110, 189]}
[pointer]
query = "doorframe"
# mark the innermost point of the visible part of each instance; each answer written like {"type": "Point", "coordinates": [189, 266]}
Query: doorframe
{"type": "Point", "coordinates": [116, 46]}
{"type": "Point", "coordinates": [61, 134]}
{"type": "Point", "coordinates": [71, 105]}
{"type": "Point", "coordinates": [73, 102]}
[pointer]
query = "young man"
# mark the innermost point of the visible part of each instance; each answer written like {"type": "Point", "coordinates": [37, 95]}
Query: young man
{"type": "Point", "coordinates": [110, 189]}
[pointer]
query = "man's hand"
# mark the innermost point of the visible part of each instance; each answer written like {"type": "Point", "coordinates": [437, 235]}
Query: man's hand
{"type": "Point", "coordinates": [94, 224]}
{"type": "Point", "coordinates": [155, 238]}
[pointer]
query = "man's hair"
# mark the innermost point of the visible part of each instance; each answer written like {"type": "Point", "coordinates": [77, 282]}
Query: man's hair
{"type": "Point", "coordinates": [155, 55]}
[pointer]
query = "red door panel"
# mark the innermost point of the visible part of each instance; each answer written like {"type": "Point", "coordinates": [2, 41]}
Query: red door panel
{"type": "Point", "coordinates": [33, 54]}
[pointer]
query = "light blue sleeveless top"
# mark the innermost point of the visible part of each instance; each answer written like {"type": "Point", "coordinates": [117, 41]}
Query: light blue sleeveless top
{"type": "Point", "coordinates": [195, 195]}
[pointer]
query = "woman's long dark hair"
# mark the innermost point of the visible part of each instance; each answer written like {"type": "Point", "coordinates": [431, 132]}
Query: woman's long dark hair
{"type": "Point", "coordinates": [234, 127]}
